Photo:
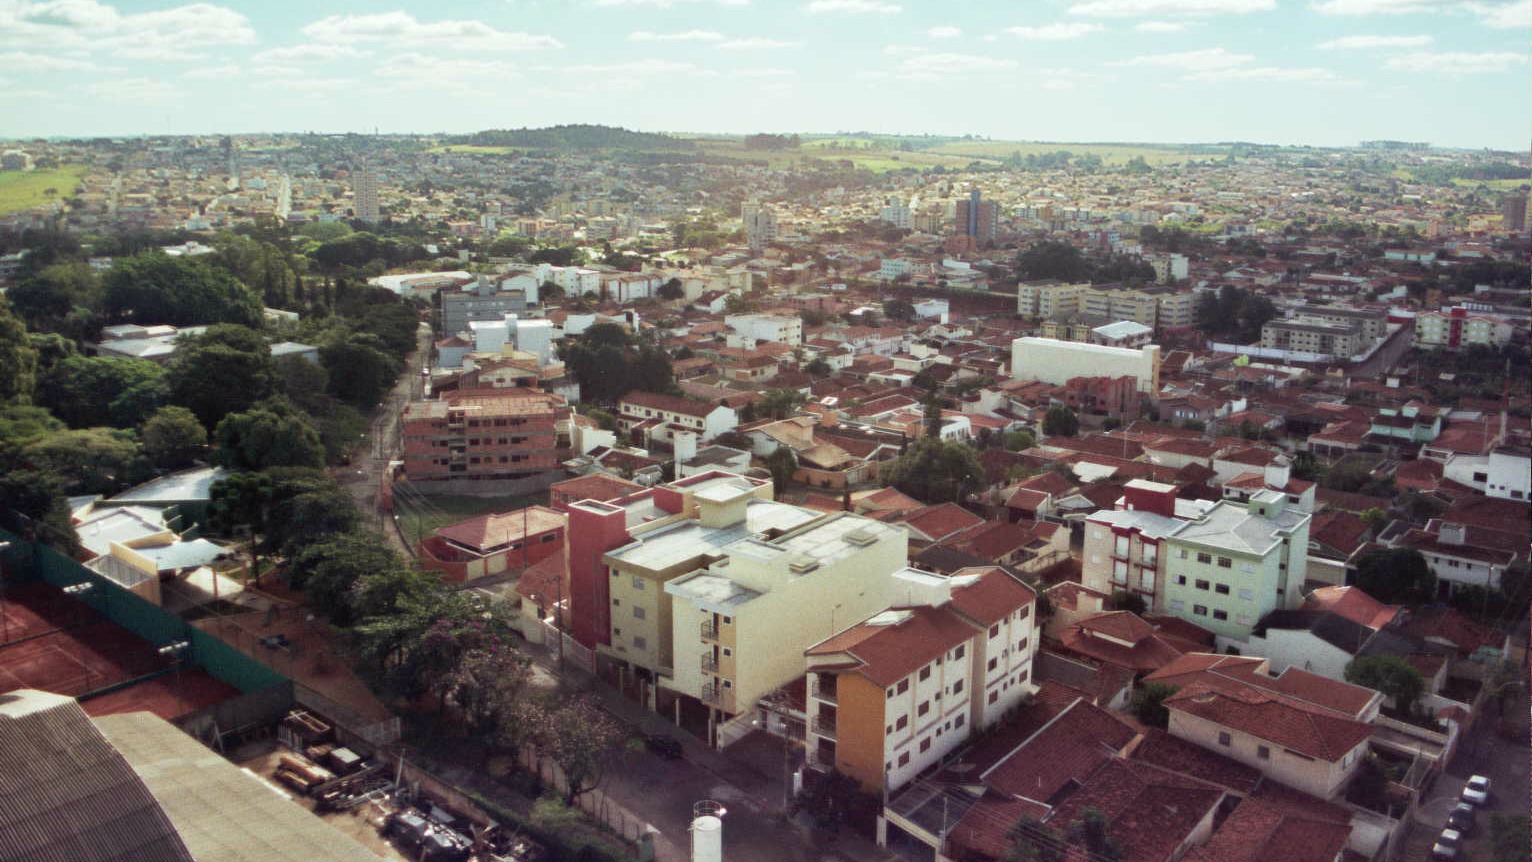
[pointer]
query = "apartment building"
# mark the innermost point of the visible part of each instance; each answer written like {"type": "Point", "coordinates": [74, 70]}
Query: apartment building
{"type": "Point", "coordinates": [365, 195]}
{"type": "Point", "coordinates": [1237, 562]}
{"type": "Point", "coordinates": [483, 436]}
{"type": "Point", "coordinates": [893, 694]}
{"type": "Point", "coordinates": [1056, 362]}
{"type": "Point", "coordinates": [1458, 327]}
{"type": "Point", "coordinates": [1372, 324]}
{"type": "Point", "coordinates": [760, 224]}
{"type": "Point", "coordinates": [1325, 339]}
{"type": "Point", "coordinates": [975, 217]}
{"type": "Point", "coordinates": [1154, 307]}
{"type": "Point", "coordinates": [481, 301]}
{"type": "Point", "coordinates": [782, 329]}
{"type": "Point", "coordinates": [1049, 298]}
{"type": "Point", "coordinates": [1124, 546]}
{"type": "Point", "coordinates": [650, 416]}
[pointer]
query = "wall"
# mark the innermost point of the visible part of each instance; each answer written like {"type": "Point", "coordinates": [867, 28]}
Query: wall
{"type": "Point", "coordinates": [1057, 361]}
{"type": "Point", "coordinates": [1301, 649]}
{"type": "Point", "coordinates": [1317, 777]}
{"type": "Point", "coordinates": [859, 729]}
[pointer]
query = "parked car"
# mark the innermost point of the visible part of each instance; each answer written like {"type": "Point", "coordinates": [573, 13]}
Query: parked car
{"type": "Point", "coordinates": [1476, 791]}
{"type": "Point", "coordinates": [1447, 845]}
{"type": "Point", "coordinates": [664, 745]}
{"type": "Point", "coordinates": [1461, 819]}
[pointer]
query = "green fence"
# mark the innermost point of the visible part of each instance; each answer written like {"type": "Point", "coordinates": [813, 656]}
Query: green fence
{"type": "Point", "coordinates": [26, 562]}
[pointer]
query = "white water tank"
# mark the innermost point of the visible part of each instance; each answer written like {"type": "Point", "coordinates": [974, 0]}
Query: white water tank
{"type": "Point", "coordinates": [707, 832]}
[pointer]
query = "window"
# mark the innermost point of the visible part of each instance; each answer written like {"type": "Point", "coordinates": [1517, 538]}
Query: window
{"type": "Point", "coordinates": [1224, 739]}
{"type": "Point", "coordinates": [1181, 553]}
{"type": "Point", "coordinates": [616, 602]}
{"type": "Point", "coordinates": [1221, 589]}
{"type": "Point", "coordinates": [616, 632]}
{"type": "Point", "coordinates": [1200, 610]}
{"type": "Point", "coordinates": [957, 687]}
{"type": "Point", "coordinates": [904, 759]}
{"type": "Point", "coordinates": [1204, 558]}
{"type": "Point", "coordinates": [959, 652]}
{"type": "Point", "coordinates": [1180, 580]}
{"type": "Point", "coordinates": [1149, 552]}
{"type": "Point", "coordinates": [1177, 606]}
{"type": "Point", "coordinates": [727, 652]}
{"type": "Point", "coordinates": [1201, 584]}
{"type": "Point", "coordinates": [728, 683]}
{"type": "Point", "coordinates": [957, 722]}
{"type": "Point", "coordinates": [890, 694]}
{"type": "Point", "coordinates": [1225, 563]}
{"type": "Point", "coordinates": [1023, 613]}
{"type": "Point", "coordinates": [638, 582]}
{"type": "Point", "coordinates": [925, 707]}
{"type": "Point", "coordinates": [640, 642]}
{"type": "Point", "coordinates": [1263, 752]}
{"type": "Point", "coordinates": [925, 745]}
{"type": "Point", "coordinates": [992, 663]}
{"type": "Point", "coordinates": [925, 673]}
{"type": "Point", "coordinates": [728, 621]}
{"type": "Point", "coordinates": [1146, 580]}
{"type": "Point", "coordinates": [638, 612]}
{"type": "Point", "coordinates": [1021, 645]}
{"type": "Point", "coordinates": [1023, 677]}
{"type": "Point", "coordinates": [1122, 547]}
{"type": "Point", "coordinates": [1220, 615]}
{"type": "Point", "coordinates": [904, 685]}
{"type": "Point", "coordinates": [994, 696]}
{"type": "Point", "coordinates": [902, 723]}
{"type": "Point", "coordinates": [994, 630]}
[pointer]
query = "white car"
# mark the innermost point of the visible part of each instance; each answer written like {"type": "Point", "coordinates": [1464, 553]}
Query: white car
{"type": "Point", "coordinates": [1476, 791]}
{"type": "Point", "coordinates": [1447, 845]}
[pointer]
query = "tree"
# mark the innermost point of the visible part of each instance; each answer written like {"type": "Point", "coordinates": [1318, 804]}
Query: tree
{"type": "Point", "coordinates": [1127, 600]}
{"type": "Point", "coordinates": [1060, 421]}
{"type": "Point", "coordinates": [818, 367]}
{"type": "Point", "coordinates": [672, 290]}
{"type": "Point", "coordinates": [933, 470]}
{"type": "Point", "coordinates": [1149, 703]}
{"type": "Point", "coordinates": [1052, 259]}
{"type": "Point", "coordinates": [18, 358]}
{"type": "Point", "coordinates": [778, 403]}
{"type": "Point", "coordinates": [305, 510]}
{"type": "Point", "coordinates": [1033, 841]}
{"type": "Point", "coordinates": [270, 434]}
{"type": "Point", "coordinates": [359, 372]}
{"type": "Point", "coordinates": [172, 437]}
{"type": "Point", "coordinates": [329, 570]}
{"type": "Point", "coordinates": [224, 370]}
{"type": "Point", "coordinates": [899, 309]}
{"type": "Point", "coordinates": [88, 391]}
{"type": "Point", "coordinates": [155, 288]}
{"type": "Point", "coordinates": [1019, 440]}
{"type": "Point", "coordinates": [1092, 831]}
{"type": "Point", "coordinates": [486, 686]}
{"type": "Point", "coordinates": [548, 292]}
{"type": "Point", "coordinates": [1375, 519]}
{"type": "Point", "coordinates": [782, 463]}
{"type": "Point", "coordinates": [30, 498]}
{"type": "Point", "coordinates": [90, 460]}
{"type": "Point", "coordinates": [581, 738]}
{"type": "Point", "coordinates": [1396, 678]}
{"type": "Point", "coordinates": [57, 297]}
{"type": "Point", "coordinates": [1396, 576]}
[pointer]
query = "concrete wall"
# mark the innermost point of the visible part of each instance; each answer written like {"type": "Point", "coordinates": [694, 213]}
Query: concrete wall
{"type": "Point", "coordinates": [1055, 362]}
{"type": "Point", "coordinates": [1317, 777]}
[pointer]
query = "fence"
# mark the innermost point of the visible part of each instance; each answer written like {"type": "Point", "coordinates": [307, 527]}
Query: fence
{"type": "Point", "coordinates": [351, 728]}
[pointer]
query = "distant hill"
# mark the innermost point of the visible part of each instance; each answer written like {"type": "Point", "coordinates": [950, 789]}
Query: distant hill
{"type": "Point", "coordinates": [575, 137]}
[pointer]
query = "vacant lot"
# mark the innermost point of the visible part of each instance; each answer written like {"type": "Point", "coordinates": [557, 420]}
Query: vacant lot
{"type": "Point", "coordinates": [22, 190]}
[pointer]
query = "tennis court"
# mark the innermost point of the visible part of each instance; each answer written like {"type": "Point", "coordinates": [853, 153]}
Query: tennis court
{"type": "Point", "coordinates": [32, 609]}
{"type": "Point", "coordinates": [170, 696]}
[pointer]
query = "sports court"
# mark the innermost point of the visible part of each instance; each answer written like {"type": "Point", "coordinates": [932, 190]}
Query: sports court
{"type": "Point", "coordinates": [53, 642]}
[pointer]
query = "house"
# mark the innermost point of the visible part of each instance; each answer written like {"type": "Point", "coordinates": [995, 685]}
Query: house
{"type": "Point", "coordinates": [1125, 640]}
{"type": "Point", "coordinates": [485, 435]}
{"type": "Point", "coordinates": [491, 544]}
{"type": "Point", "coordinates": [648, 416]}
{"type": "Point", "coordinates": [932, 525]}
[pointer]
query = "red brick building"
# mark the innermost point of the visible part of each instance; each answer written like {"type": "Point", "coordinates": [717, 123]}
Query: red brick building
{"type": "Point", "coordinates": [507, 434]}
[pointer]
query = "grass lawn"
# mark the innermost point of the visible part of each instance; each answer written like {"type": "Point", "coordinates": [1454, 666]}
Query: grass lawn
{"type": "Point", "coordinates": [1111, 154]}
{"type": "Point", "coordinates": [421, 516]}
{"type": "Point", "coordinates": [22, 190]}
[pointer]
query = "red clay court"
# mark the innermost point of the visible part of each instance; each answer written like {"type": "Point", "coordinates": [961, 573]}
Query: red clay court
{"type": "Point", "coordinates": [60, 644]}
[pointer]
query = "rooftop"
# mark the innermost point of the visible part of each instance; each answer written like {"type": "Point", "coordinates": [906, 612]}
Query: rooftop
{"type": "Point", "coordinates": [676, 543]}
{"type": "Point", "coordinates": [1232, 527]}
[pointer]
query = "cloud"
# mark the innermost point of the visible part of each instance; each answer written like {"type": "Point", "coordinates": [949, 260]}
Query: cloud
{"type": "Point", "coordinates": [402, 28]}
{"type": "Point", "coordinates": [308, 84]}
{"type": "Point", "coordinates": [634, 68]}
{"type": "Point", "coordinates": [1375, 7]}
{"type": "Point", "coordinates": [944, 32]}
{"type": "Point", "coordinates": [1204, 60]}
{"type": "Point", "coordinates": [1136, 8]}
{"type": "Point", "coordinates": [1504, 16]}
{"type": "Point", "coordinates": [178, 33]}
{"type": "Point", "coordinates": [132, 90]}
{"type": "Point", "coordinates": [24, 60]}
{"type": "Point", "coordinates": [758, 44]}
{"type": "Point", "coordinates": [1056, 32]}
{"type": "Point", "coordinates": [1162, 26]}
{"type": "Point", "coordinates": [433, 69]}
{"type": "Point", "coordinates": [212, 73]}
{"type": "Point", "coordinates": [1300, 75]}
{"type": "Point", "coordinates": [851, 6]}
{"type": "Point", "coordinates": [933, 67]}
{"type": "Point", "coordinates": [762, 73]}
{"type": "Point", "coordinates": [1456, 62]}
{"type": "Point", "coordinates": [312, 53]}
{"type": "Point", "coordinates": [666, 4]}
{"type": "Point", "coordinates": [687, 36]}
{"type": "Point", "coordinates": [1356, 43]}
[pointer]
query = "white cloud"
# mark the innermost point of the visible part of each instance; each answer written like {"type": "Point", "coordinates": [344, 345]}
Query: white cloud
{"type": "Point", "coordinates": [178, 33]}
{"type": "Point", "coordinates": [1456, 62]}
{"type": "Point", "coordinates": [308, 84]}
{"type": "Point", "coordinates": [212, 73]}
{"type": "Point", "coordinates": [1204, 60]}
{"type": "Point", "coordinates": [26, 61]}
{"type": "Point", "coordinates": [758, 44]}
{"type": "Point", "coordinates": [1162, 26]}
{"type": "Point", "coordinates": [762, 73]}
{"type": "Point", "coordinates": [635, 68]}
{"type": "Point", "coordinates": [932, 67]}
{"type": "Point", "coordinates": [132, 90]}
{"type": "Point", "coordinates": [851, 6]}
{"type": "Point", "coordinates": [687, 36]}
{"type": "Point", "coordinates": [1295, 75]}
{"type": "Point", "coordinates": [433, 69]}
{"type": "Point", "coordinates": [1504, 16]}
{"type": "Point", "coordinates": [666, 4]}
{"type": "Point", "coordinates": [311, 53]}
{"type": "Point", "coordinates": [1355, 43]}
{"type": "Point", "coordinates": [402, 28]}
{"type": "Point", "coordinates": [1376, 7]}
{"type": "Point", "coordinates": [944, 32]}
{"type": "Point", "coordinates": [904, 50]}
{"type": "Point", "coordinates": [1135, 8]}
{"type": "Point", "coordinates": [1056, 32]}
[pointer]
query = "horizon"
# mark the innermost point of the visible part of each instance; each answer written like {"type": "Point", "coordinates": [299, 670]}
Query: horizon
{"type": "Point", "coordinates": [1326, 73]}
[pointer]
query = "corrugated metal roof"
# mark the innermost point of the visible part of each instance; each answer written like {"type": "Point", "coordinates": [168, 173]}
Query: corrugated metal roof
{"type": "Point", "coordinates": [66, 795]}
{"type": "Point", "coordinates": [223, 813]}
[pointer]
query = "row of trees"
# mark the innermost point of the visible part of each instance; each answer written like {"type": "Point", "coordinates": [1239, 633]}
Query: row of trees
{"type": "Point", "coordinates": [609, 363]}
{"type": "Point", "coordinates": [1063, 261]}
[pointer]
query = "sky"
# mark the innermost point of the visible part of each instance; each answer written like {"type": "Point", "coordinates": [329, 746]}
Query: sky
{"type": "Point", "coordinates": [1322, 72]}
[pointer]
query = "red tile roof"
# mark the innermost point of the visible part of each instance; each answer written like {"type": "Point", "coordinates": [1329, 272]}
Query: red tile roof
{"type": "Point", "coordinates": [1235, 672]}
{"type": "Point", "coordinates": [488, 532]}
{"type": "Point", "coordinates": [991, 598]}
{"type": "Point", "coordinates": [593, 487]}
{"type": "Point", "coordinates": [887, 653]}
{"type": "Point", "coordinates": [935, 523]}
{"type": "Point", "coordinates": [668, 403]}
{"type": "Point", "coordinates": [1174, 753]}
{"type": "Point", "coordinates": [1281, 720]}
{"type": "Point", "coordinates": [1449, 626]}
{"type": "Point", "coordinates": [1262, 831]}
{"type": "Point", "coordinates": [1353, 604]}
{"type": "Point", "coordinates": [1068, 749]}
{"type": "Point", "coordinates": [1153, 811]}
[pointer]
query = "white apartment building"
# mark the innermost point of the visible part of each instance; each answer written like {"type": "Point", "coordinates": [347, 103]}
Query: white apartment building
{"type": "Point", "coordinates": [1053, 361]}
{"type": "Point", "coordinates": [891, 268]}
{"type": "Point", "coordinates": [783, 329]}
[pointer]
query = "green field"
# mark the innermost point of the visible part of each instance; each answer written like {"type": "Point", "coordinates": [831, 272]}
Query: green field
{"type": "Point", "coordinates": [472, 148]}
{"type": "Point", "coordinates": [421, 516]}
{"type": "Point", "coordinates": [1496, 185]}
{"type": "Point", "coordinates": [22, 190]}
{"type": "Point", "coordinates": [877, 159]}
{"type": "Point", "coordinates": [1111, 154]}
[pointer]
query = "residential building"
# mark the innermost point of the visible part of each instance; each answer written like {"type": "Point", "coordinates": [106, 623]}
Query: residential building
{"type": "Point", "coordinates": [1123, 546]}
{"type": "Point", "coordinates": [1456, 559]}
{"type": "Point", "coordinates": [492, 544]}
{"type": "Point", "coordinates": [1154, 307]}
{"type": "Point", "coordinates": [760, 225]}
{"type": "Point", "coordinates": [779, 328]}
{"type": "Point", "coordinates": [891, 268]}
{"type": "Point", "coordinates": [976, 217]}
{"type": "Point", "coordinates": [485, 435]}
{"type": "Point", "coordinates": [1513, 212]}
{"type": "Point", "coordinates": [897, 213]}
{"type": "Point", "coordinates": [650, 416]}
{"type": "Point", "coordinates": [1458, 327]}
{"type": "Point", "coordinates": [481, 301]}
{"type": "Point", "coordinates": [1170, 268]}
{"type": "Point", "coordinates": [1320, 339]}
{"type": "Point", "coordinates": [1056, 362]}
{"type": "Point", "coordinates": [364, 190]}
{"type": "Point", "coordinates": [1509, 473]}
{"type": "Point", "coordinates": [1049, 298]}
{"type": "Point", "coordinates": [1371, 323]}
{"type": "Point", "coordinates": [1237, 562]}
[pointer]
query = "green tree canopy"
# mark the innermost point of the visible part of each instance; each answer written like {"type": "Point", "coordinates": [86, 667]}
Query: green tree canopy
{"type": "Point", "coordinates": [173, 438]}
{"type": "Point", "coordinates": [782, 463]}
{"type": "Point", "coordinates": [154, 288]}
{"type": "Point", "coordinates": [936, 471]}
{"type": "Point", "coordinates": [87, 391]}
{"type": "Point", "coordinates": [1149, 703]}
{"type": "Point", "coordinates": [1020, 440]}
{"type": "Point", "coordinates": [1233, 314]}
{"type": "Point", "coordinates": [272, 433]}
{"type": "Point", "coordinates": [90, 460]}
{"type": "Point", "coordinates": [1396, 576]}
{"type": "Point", "coordinates": [778, 403]}
{"type": "Point", "coordinates": [329, 570]}
{"type": "Point", "coordinates": [1060, 421]}
{"type": "Point", "coordinates": [359, 372]}
{"type": "Point", "coordinates": [225, 370]}
{"type": "Point", "coordinates": [47, 299]}
{"type": "Point", "coordinates": [18, 358]}
{"type": "Point", "coordinates": [1399, 681]}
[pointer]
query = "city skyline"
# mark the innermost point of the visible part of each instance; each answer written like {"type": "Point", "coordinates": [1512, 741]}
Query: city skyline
{"type": "Point", "coordinates": [1327, 73]}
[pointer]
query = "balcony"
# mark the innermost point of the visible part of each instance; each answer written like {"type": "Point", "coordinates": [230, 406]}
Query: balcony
{"type": "Point", "coordinates": [824, 692]}
{"type": "Point", "coordinates": [712, 693]}
{"type": "Point", "coordinates": [709, 663]}
{"type": "Point", "coordinates": [710, 631]}
{"type": "Point", "coordinates": [824, 725]}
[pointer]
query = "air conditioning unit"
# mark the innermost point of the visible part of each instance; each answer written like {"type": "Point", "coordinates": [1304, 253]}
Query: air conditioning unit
{"type": "Point", "coordinates": [862, 537]}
